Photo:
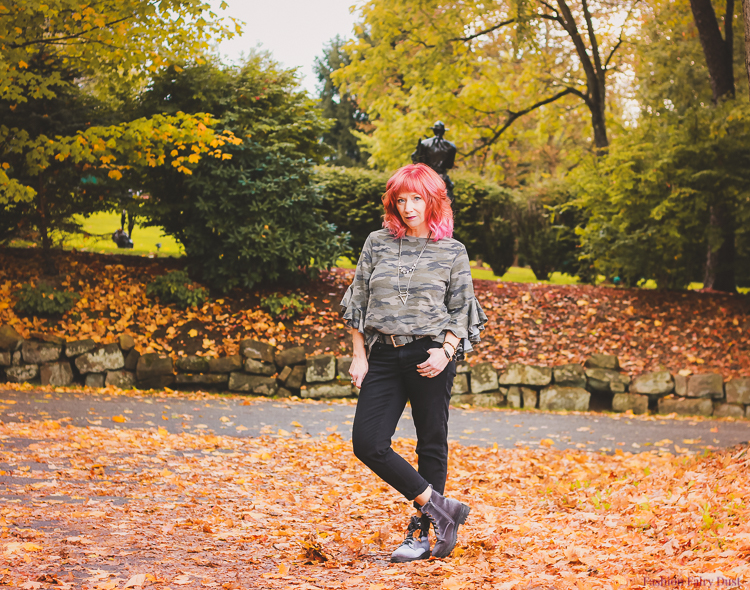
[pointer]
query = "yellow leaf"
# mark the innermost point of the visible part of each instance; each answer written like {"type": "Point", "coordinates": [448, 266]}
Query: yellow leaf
{"type": "Point", "coordinates": [162, 431]}
{"type": "Point", "coordinates": [136, 580]}
{"type": "Point", "coordinates": [23, 64]}
{"type": "Point", "coordinates": [32, 547]}
{"type": "Point", "coordinates": [283, 569]}
{"type": "Point", "coordinates": [119, 419]}
{"type": "Point", "coordinates": [114, 174]}
{"type": "Point", "coordinates": [193, 333]}
{"type": "Point", "coordinates": [546, 442]}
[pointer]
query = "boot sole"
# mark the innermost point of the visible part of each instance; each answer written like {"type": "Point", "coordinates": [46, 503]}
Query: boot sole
{"type": "Point", "coordinates": [462, 516]}
{"type": "Point", "coordinates": [425, 555]}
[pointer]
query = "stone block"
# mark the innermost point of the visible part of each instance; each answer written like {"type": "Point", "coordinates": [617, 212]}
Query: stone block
{"type": "Point", "coordinates": [283, 392]}
{"type": "Point", "coordinates": [131, 361]}
{"type": "Point", "coordinates": [680, 385]}
{"type": "Point", "coordinates": [574, 399]}
{"type": "Point", "coordinates": [36, 353]}
{"type": "Point", "coordinates": [21, 373]}
{"type": "Point", "coordinates": [296, 378]}
{"type": "Point", "coordinates": [258, 351]}
{"type": "Point", "coordinates": [225, 364]}
{"type": "Point", "coordinates": [654, 383]}
{"type": "Point", "coordinates": [320, 368]}
{"type": "Point", "coordinates": [48, 338]}
{"type": "Point", "coordinates": [126, 342]}
{"type": "Point", "coordinates": [156, 382]}
{"type": "Point", "coordinates": [530, 398]}
{"type": "Point", "coordinates": [206, 379]}
{"type": "Point", "coordinates": [607, 380]}
{"type": "Point", "coordinates": [6, 358]}
{"type": "Point", "coordinates": [107, 358]}
{"type": "Point", "coordinates": [10, 340]}
{"type": "Point", "coordinates": [255, 367]}
{"type": "Point", "coordinates": [121, 379]}
{"type": "Point", "coordinates": [490, 399]}
{"type": "Point", "coordinates": [17, 359]}
{"type": "Point", "coordinates": [483, 378]}
{"type": "Point", "coordinates": [95, 380]}
{"type": "Point", "coordinates": [685, 406]}
{"type": "Point", "coordinates": [622, 402]}
{"type": "Point", "coordinates": [331, 389]}
{"type": "Point", "coordinates": [191, 364]}
{"type": "Point", "coordinates": [342, 367]}
{"type": "Point", "coordinates": [738, 390]}
{"type": "Point", "coordinates": [518, 374]}
{"type": "Point", "coordinates": [705, 385]}
{"type": "Point", "coordinates": [463, 367]}
{"type": "Point", "coordinates": [244, 383]}
{"type": "Point", "coordinates": [460, 384]}
{"type": "Point", "coordinates": [462, 399]}
{"type": "Point", "coordinates": [603, 361]}
{"type": "Point", "coordinates": [79, 347]}
{"type": "Point", "coordinates": [290, 357]}
{"type": "Point", "coordinates": [514, 397]}
{"type": "Point", "coordinates": [152, 366]}
{"type": "Point", "coordinates": [56, 374]}
{"type": "Point", "coordinates": [571, 375]}
{"type": "Point", "coordinates": [729, 411]}
{"type": "Point", "coordinates": [284, 375]}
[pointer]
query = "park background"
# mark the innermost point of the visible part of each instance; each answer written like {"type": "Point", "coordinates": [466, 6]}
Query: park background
{"type": "Point", "coordinates": [602, 177]}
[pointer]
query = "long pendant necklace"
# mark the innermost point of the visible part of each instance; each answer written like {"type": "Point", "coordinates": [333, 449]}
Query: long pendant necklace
{"type": "Point", "coordinates": [404, 294]}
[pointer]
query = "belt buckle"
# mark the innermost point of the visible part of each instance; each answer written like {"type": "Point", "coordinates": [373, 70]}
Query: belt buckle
{"type": "Point", "coordinates": [394, 342]}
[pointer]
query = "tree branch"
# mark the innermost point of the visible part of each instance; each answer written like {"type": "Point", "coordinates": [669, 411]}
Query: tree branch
{"type": "Point", "coordinates": [484, 32]}
{"type": "Point", "coordinates": [592, 35]}
{"type": "Point", "coordinates": [728, 29]}
{"type": "Point", "coordinates": [513, 116]}
{"type": "Point", "coordinates": [56, 40]}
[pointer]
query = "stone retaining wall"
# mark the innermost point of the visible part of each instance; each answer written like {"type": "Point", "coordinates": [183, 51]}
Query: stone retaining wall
{"type": "Point", "coordinates": [262, 369]}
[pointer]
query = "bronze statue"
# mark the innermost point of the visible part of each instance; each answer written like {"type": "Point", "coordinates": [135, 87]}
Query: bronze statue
{"type": "Point", "coordinates": [438, 153]}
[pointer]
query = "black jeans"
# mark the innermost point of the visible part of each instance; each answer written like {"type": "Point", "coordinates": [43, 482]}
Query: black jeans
{"type": "Point", "coordinates": [391, 380]}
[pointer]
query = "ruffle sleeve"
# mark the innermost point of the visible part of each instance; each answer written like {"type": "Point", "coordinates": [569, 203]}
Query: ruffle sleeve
{"type": "Point", "coordinates": [357, 296]}
{"type": "Point", "coordinates": [467, 318]}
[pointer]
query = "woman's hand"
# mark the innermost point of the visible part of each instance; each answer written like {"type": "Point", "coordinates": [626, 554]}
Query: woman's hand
{"type": "Point", "coordinates": [359, 366]}
{"type": "Point", "coordinates": [358, 370]}
{"type": "Point", "coordinates": [434, 365]}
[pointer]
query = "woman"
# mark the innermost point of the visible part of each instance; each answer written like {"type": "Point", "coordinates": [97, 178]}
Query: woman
{"type": "Point", "coordinates": [412, 313]}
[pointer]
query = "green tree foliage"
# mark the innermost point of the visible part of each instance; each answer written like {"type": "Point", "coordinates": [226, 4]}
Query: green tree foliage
{"type": "Point", "coordinates": [649, 199]}
{"type": "Point", "coordinates": [483, 68]}
{"type": "Point", "coordinates": [57, 50]}
{"type": "Point", "coordinates": [347, 118]}
{"type": "Point", "coordinates": [253, 218]}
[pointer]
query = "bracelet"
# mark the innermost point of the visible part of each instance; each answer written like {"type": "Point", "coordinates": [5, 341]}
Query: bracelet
{"type": "Point", "coordinates": [450, 356]}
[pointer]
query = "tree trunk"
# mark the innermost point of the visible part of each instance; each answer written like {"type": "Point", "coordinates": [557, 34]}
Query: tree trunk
{"type": "Point", "coordinates": [600, 126]}
{"type": "Point", "coordinates": [720, 261]}
{"type": "Point", "coordinates": [717, 50]}
{"type": "Point", "coordinates": [746, 13]}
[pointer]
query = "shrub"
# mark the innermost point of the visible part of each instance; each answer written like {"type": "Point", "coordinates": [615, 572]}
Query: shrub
{"type": "Point", "coordinates": [284, 307]}
{"type": "Point", "coordinates": [176, 288]}
{"type": "Point", "coordinates": [252, 218]}
{"type": "Point", "coordinates": [43, 300]}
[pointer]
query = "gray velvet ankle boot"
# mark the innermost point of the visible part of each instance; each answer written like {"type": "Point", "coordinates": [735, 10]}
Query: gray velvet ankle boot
{"type": "Point", "coordinates": [446, 516]}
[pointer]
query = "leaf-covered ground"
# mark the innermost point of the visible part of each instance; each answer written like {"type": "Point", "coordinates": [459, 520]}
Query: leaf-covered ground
{"type": "Point", "coordinates": [96, 508]}
{"type": "Point", "coordinates": [529, 323]}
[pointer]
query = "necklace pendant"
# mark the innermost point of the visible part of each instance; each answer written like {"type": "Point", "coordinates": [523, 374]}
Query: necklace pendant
{"type": "Point", "coordinates": [403, 297]}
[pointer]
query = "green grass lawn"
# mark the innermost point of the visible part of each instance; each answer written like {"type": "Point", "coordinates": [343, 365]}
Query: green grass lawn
{"type": "Point", "coordinates": [101, 226]}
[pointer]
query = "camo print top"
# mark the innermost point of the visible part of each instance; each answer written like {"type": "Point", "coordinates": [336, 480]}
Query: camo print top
{"type": "Point", "coordinates": [441, 294]}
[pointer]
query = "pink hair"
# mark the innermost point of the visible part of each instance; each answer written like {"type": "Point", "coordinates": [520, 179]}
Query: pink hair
{"type": "Point", "coordinates": [423, 180]}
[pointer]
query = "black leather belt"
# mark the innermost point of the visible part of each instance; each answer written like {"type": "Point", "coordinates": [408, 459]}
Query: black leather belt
{"type": "Point", "coordinates": [397, 341]}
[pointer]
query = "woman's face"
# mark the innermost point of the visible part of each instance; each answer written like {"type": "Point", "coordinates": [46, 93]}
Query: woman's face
{"type": "Point", "coordinates": [412, 207]}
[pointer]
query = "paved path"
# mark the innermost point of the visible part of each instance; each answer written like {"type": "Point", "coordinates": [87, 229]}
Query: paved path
{"type": "Point", "coordinates": [237, 416]}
